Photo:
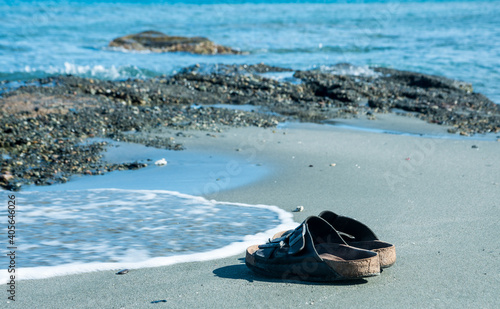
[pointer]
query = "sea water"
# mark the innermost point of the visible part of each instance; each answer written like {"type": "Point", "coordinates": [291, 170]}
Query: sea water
{"type": "Point", "coordinates": [134, 219]}
{"type": "Point", "coordinates": [73, 231]}
{"type": "Point", "coordinates": [457, 39]}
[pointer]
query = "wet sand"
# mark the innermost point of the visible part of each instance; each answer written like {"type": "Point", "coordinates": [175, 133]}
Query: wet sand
{"type": "Point", "coordinates": [437, 200]}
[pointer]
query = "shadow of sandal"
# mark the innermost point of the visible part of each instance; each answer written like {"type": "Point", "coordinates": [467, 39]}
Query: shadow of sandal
{"type": "Point", "coordinates": [241, 271]}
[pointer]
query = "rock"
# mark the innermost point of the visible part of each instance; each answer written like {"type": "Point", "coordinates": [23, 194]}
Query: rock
{"type": "Point", "coordinates": [298, 209]}
{"type": "Point", "coordinates": [419, 80]}
{"type": "Point", "coordinates": [161, 162]}
{"type": "Point", "coordinates": [159, 43]}
{"type": "Point", "coordinates": [436, 99]}
{"type": "Point", "coordinates": [122, 272]}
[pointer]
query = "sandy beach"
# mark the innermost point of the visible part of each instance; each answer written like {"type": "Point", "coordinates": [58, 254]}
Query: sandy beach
{"type": "Point", "coordinates": [436, 199]}
{"type": "Point", "coordinates": [145, 145]}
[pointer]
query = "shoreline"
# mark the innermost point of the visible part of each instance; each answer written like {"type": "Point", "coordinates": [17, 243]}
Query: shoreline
{"type": "Point", "coordinates": [45, 122]}
{"type": "Point", "coordinates": [274, 220]}
{"type": "Point", "coordinates": [439, 208]}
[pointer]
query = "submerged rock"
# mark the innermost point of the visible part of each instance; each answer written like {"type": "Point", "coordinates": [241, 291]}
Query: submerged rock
{"type": "Point", "coordinates": [159, 42]}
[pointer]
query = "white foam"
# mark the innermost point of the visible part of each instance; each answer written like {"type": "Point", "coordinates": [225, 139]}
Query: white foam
{"type": "Point", "coordinates": [349, 69]}
{"type": "Point", "coordinates": [122, 249]}
{"type": "Point", "coordinates": [129, 51]}
{"type": "Point", "coordinates": [96, 70]}
{"type": "Point", "coordinates": [282, 77]}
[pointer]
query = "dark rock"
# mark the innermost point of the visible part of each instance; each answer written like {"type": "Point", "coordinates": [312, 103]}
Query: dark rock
{"type": "Point", "coordinates": [235, 69]}
{"type": "Point", "coordinates": [436, 99]}
{"type": "Point", "coordinates": [159, 42]}
{"type": "Point", "coordinates": [123, 272]}
{"type": "Point", "coordinates": [419, 80]}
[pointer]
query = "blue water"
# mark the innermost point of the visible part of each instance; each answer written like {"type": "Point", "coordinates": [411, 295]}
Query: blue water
{"type": "Point", "coordinates": [457, 39]}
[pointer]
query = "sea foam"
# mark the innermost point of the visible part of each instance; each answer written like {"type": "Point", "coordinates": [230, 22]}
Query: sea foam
{"type": "Point", "coordinates": [70, 232]}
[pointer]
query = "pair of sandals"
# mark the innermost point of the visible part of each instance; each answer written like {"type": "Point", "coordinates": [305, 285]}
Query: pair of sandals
{"type": "Point", "coordinates": [327, 247]}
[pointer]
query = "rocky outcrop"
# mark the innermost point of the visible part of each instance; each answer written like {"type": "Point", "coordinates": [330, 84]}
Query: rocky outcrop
{"type": "Point", "coordinates": [43, 123]}
{"type": "Point", "coordinates": [434, 98]}
{"type": "Point", "coordinates": [159, 43]}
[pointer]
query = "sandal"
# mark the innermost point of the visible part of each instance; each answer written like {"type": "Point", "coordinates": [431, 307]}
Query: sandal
{"type": "Point", "coordinates": [358, 235]}
{"type": "Point", "coordinates": [314, 251]}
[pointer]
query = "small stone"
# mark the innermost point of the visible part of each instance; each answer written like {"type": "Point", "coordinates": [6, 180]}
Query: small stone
{"type": "Point", "coordinates": [298, 209]}
{"type": "Point", "coordinates": [122, 272]}
{"type": "Point", "coordinates": [7, 176]}
{"type": "Point", "coordinates": [159, 301]}
{"type": "Point", "coordinates": [161, 162]}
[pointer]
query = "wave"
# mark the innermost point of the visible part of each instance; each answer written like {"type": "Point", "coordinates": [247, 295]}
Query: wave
{"type": "Point", "coordinates": [99, 71]}
{"type": "Point", "coordinates": [94, 71]}
{"type": "Point", "coordinates": [321, 49]}
{"type": "Point", "coordinates": [66, 232]}
{"type": "Point", "coordinates": [348, 69]}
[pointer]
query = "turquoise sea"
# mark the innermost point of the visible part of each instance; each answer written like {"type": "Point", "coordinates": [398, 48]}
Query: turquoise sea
{"type": "Point", "coordinates": [457, 39]}
{"type": "Point", "coordinates": [140, 219]}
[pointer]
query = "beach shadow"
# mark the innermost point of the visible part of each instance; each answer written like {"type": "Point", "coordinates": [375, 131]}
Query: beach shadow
{"type": "Point", "coordinates": [241, 271]}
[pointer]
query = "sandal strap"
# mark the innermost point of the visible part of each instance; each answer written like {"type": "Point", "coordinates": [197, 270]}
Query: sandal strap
{"type": "Point", "coordinates": [349, 226]}
{"type": "Point", "coordinates": [294, 239]}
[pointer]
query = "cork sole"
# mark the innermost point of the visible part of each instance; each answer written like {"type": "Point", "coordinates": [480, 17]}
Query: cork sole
{"type": "Point", "coordinates": [347, 263]}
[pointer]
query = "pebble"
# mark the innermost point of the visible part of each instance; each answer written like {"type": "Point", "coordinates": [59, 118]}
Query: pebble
{"type": "Point", "coordinates": [122, 272]}
{"type": "Point", "coordinates": [161, 162]}
{"type": "Point", "coordinates": [159, 301]}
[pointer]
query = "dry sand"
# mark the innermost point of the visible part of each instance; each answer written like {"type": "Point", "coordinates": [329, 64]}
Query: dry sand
{"type": "Point", "coordinates": [437, 200]}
